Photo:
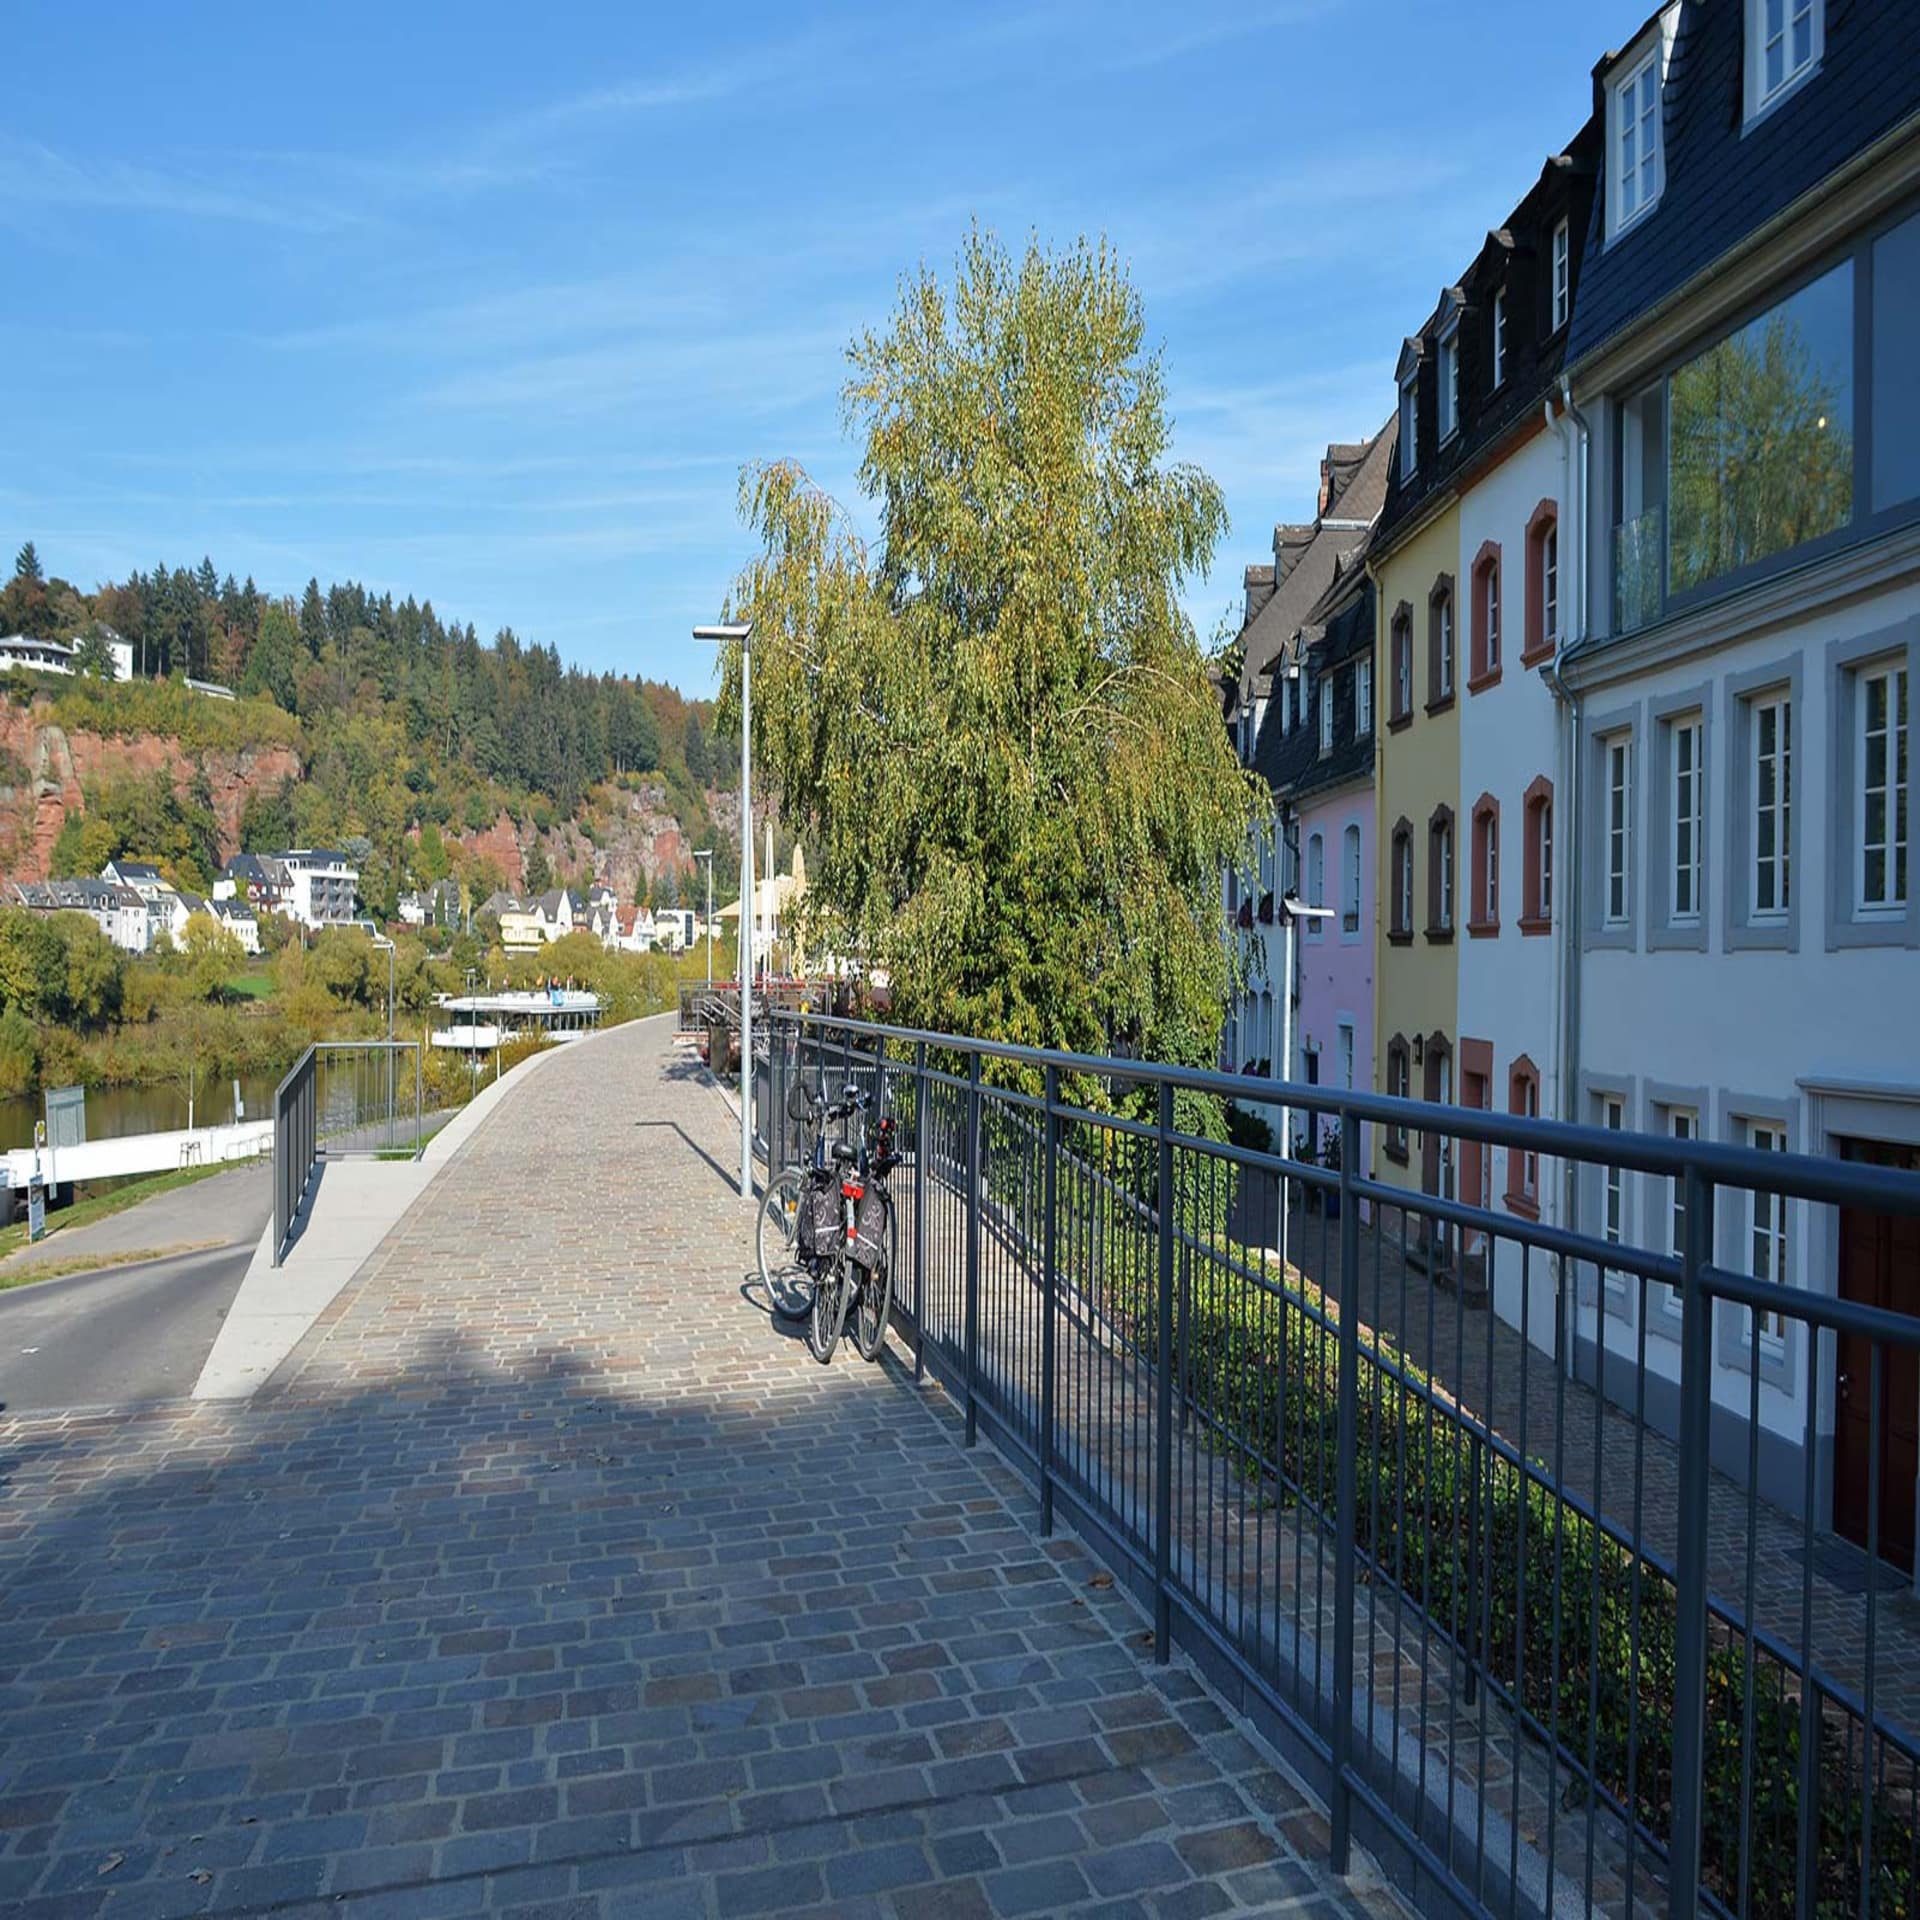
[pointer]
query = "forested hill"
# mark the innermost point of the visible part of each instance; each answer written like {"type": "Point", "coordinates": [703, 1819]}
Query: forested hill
{"type": "Point", "coordinates": [403, 721]}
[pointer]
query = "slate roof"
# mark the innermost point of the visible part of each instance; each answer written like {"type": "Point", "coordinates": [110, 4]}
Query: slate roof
{"type": "Point", "coordinates": [131, 870]}
{"type": "Point", "coordinates": [1517, 257]}
{"type": "Point", "coordinates": [1269, 636]}
{"type": "Point", "coordinates": [1723, 180]}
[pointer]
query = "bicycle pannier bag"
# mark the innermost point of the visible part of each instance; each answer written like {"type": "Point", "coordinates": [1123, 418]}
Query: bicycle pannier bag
{"type": "Point", "coordinates": [819, 1219]}
{"type": "Point", "coordinates": [869, 1249]}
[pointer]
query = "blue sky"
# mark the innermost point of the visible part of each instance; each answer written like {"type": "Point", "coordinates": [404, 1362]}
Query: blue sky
{"type": "Point", "coordinates": [489, 304]}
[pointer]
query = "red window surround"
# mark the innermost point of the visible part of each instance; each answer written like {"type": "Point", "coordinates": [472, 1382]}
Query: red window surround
{"type": "Point", "coordinates": [1540, 637]}
{"type": "Point", "coordinates": [1523, 1168]}
{"type": "Point", "coordinates": [1488, 651]}
{"type": "Point", "coordinates": [1536, 858]}
{"type": "Point", "coordinates": [1476, 1090]}
{"type": "Point", "coordinates": [1483, 907]}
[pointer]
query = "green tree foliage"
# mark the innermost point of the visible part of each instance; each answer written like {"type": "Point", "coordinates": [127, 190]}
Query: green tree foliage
{"type": "Point", "coordinates": [539, 873]}
{"type": "Point", "coordinates": [210, 956]}
{"type": "Point", "coordinates": [60, 968]}
{"type": "Point", "coordinates": [91, 654]}
{"type": "Point", "coordinates": [994, 730]}
{"type": "Point", "coordinates": [143, 817]}
{"type": "Point", "coordinates": [266, 821]}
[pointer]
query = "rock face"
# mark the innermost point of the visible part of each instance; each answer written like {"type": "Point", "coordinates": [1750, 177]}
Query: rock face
{"type": "Point", "coordinates": [500, 843]}
{"type": "Point", "coordinates": [59, 767]}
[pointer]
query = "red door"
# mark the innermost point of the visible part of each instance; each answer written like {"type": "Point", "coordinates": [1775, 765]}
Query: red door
{"type": "Point", "coordinates": [1880, 1267]}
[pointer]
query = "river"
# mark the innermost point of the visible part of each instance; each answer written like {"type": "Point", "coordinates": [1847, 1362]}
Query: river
{"type": "Point", "coordinates": [112, 1111]}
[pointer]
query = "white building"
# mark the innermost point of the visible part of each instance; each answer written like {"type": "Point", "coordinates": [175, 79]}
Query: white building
{"type": "Point", "coordinates": [56, 656]}
{"type": "Point", "coordinates": [118, 911]}
{"type": "Point", "coordinates": [321, 888]}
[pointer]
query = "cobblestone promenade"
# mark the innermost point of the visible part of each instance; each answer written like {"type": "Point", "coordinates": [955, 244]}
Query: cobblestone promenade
{"type": "Point", "coordinates": [550, 1577]}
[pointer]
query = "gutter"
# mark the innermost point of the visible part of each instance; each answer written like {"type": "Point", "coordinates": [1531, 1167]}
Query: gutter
{"type": "Point", "coordinates": [1576, 440]}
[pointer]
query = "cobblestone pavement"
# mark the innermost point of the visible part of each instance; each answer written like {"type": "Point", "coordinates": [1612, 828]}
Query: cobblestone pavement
{"type": "Point", "coordinates": [550, 1577]}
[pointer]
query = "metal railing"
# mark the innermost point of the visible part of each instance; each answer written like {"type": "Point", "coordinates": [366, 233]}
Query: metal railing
{"type": "Point", "coordinates": [341, 1099]}
{"type": "Point", "coordinates": [1545, 1593]}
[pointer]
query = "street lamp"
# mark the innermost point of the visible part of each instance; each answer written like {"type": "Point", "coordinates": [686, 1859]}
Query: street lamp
{"type": "Point", "coordinates": [742, 631]}
{"type": "Point", "coordinates": [706, 854]}
{"type": "Point", "coordinates": [1292, 909]}
{"type": "Point", "coordinates": [382, 944]}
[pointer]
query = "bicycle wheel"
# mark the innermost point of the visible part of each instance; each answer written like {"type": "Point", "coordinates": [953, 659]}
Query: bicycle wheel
{"type": "Point", "coordinates": [876, 1300]}
{"type": "Point", "coordinates": [788, 1284]}
{"type": "Point", "coordinates": [829, 1309]}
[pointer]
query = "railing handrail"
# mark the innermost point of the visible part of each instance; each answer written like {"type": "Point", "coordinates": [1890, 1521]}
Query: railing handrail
{"type": "Point", "coordinates": [1800, 1176]}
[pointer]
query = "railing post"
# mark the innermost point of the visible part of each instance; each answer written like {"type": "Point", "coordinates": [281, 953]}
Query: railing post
{"type": "Point", "coordinates": [1163, 1411]}
{"type": "Point", "coordinates": [776, 1102]}
{"type": "Point", "coordinates": [922, 1146]}
{"type": "Point", "coordinates": [1690, 1585]}
{"type": "Point", "coordinates": [1809, 1809]}
{"type": "Point", "coordinates": [1049, 1287]}
{"type": "Point", "coordinates": [1346, 1517]}
{"type": "Point", "coordinates": [973, 1242]}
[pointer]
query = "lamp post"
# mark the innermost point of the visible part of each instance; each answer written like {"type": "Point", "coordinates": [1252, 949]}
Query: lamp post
{"type": "Point", "coordinates": [382, 944]}
{"type": "Point", "coordinates": [1292, 910]}
{"type": "Point", "coordinates": [706, 854]}
{"type": "Point", "coordinates": [742, 631]}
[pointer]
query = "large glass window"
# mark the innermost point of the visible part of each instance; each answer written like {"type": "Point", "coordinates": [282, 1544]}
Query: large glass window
{"type": "Point", "coordinates": [1761, 436]}
{"type": "Point", "coordinates": [1896, 387]}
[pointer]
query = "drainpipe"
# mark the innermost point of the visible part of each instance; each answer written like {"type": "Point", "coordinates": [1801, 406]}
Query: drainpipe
{"type": "Point", "coordinates": [1576, 445]}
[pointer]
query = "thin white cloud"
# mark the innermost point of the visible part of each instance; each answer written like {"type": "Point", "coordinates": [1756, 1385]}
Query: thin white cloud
{"type": "Point", "coordinates": [1204, 36]}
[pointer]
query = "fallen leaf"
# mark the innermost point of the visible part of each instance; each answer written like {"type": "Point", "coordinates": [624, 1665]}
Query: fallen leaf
{"type": "Point", "coordinates": [110, 1862]}
{"type": "Point", "coordinates": [200, 1876]}
{"type": "Point", "coordinates": [1102, 1580]}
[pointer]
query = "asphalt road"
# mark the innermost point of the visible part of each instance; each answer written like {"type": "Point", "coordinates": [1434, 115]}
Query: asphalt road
{"type": "Point", "coordinates": [124, 1334]}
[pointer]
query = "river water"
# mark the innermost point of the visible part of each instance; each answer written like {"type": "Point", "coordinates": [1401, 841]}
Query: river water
{"type": "Point", "coordinates": [112, 1111]}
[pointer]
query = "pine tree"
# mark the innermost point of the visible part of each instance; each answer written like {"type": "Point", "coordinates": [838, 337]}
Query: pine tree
{"type": "Point", "coordinates": [26, 566]}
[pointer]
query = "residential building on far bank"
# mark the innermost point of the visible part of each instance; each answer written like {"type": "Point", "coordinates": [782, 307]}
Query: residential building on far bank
{"type": "Point", "coordinates": [118, 911]}
{"type": "Point", "coordinates": [1745, 921]}
{"type": "Point", "coordinates": [322, 888]}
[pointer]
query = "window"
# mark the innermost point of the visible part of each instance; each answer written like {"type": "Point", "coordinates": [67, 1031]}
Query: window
{"type": "Point", "coordinates": [1760, 450]}
{"type": "Point", "coordinates": [1536, 902]}
{"type": "Point", "coordinates": [1783, 45]}
{"type": "Point", "coordinates": [1767, 1227]}
{"type": "Point", "coordinates": [1449, 376]}
{"type": "Point", "coordinates": [1326, 715]}
{"type": "Point", "coordinates": [1400, 926]}
{"type": "Point", "coordinates": [1316, 881]}
{"type": "Point", "coordinates": [1617, 763]}
{"type": "Point", "coordinates": [1485, 668]}
{"type": "Point", "coordinates": [1363, 699]}
{"type": "Point", "coordinates": [1562, 276]}
{"type": "Point", "coordinates": [1523, 1164]}
{"type": "Point", "coordinates": [1881, 776]}
{"type": "Point", "coordinates": [1634, 109]}
{"type": "Point", "coordinates": [1682, 1124]}
{"type": "Point", "coordinates": [1686, 774]}
{"type": "Point", "coordinates": [1346, 1053]}
{"type": "Point", "coordinates": [1402, 667]}
{"type": "Point", "coordinates": [1440, 644]}
{"type": "Point", "coordinates": [1409, 392]}
{"type": "Point", "coordinates": [1613, 1187]}
{"type": "Point", "coordinates": [1500, 336]}
{"type": "Point", "coordinates": [1542, 622]}
{"type": "Point", "coordinates": [1350, 878]}
{"type": "Point", "coordinates": [1399, 1087]}
{"type": "Point", "coordinates": [1440, 875]}
{"type": "Point", "coordinates": [1484, 910]}
{"type": "Point", "coordinates": [1772, 736]}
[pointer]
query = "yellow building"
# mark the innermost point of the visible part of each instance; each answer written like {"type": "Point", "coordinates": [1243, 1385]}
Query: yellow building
{"type": "Point", "coordinates": [1414, 562]}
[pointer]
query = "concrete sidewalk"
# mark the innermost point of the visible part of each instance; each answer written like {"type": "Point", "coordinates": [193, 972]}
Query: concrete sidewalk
{"type": "Point", "coordinates": [350, 1208]}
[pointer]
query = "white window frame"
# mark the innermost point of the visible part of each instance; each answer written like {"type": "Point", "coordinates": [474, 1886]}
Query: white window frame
{"type": "Point", "coordinates": [1686, 802]}
{"type": "Point", "coordinates": [1409, 426]}
{"type": "Point", "coordinates": [1490, 586]}
{"type": "Point", "coordinates": [1346, 1052]}
{"type": "Point", "coordinates": [1490, 906]}
{"type": "Point", "coordinates": [1403, 668]}
{"type": "Point", "coordinates": [1772, 871]}
{"type": "Point", "coordinates": [1351, 878]}
{"type": "Point", "coordinates": [1529, 1156]}
{"type": "Point", "coordinates": [1403, 882]}
{"type": "Point", "coordinates": [1761, 14]}
{"type": "Point", "coordinates": [1550, 582]}
{"type": "Point", "coordinates": [1363, 699]}
{"type": "Point", "coordinates": [1500, 337]}
{"type": "Point", "coordinates": [1446, 648]}
{"type": "Point", "coordinates": [1546, 858]}
{"type": "Point", "coordinates": [1617, 835]}
{"type": "Point", "coordinates": [1635, 156]}
{"type": "Point", "coordinates": [1613, 1186]}
{"type": "Point", "coordinates": [1446, 878]}
{"type": "Point", "coordinates": [1449, 383]}
{"type": "Point", "coordinates": [1326, 714]}
{"type": "Point", "coordinates": [1316, 882]}
{"type": "Point", "coordinates": [1562, 275]}
{"type": "Point", "coordinates": [1895, 842]}
{"type": "Point", "coordinates": [1768, 1248]}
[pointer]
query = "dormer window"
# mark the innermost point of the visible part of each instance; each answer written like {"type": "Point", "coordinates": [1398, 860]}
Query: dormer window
{"type": "Point", "coordinates": [1633, 116]}
{"type": "Point", "coordinates": [1784, 40]}
{"type": "Point", "coordinates": [1562, 275]}
{"type": "Point", "coordinates": [1449, 375]}
{"type": "Point", "coordinates": [1499, 336]}
{"type": "Point", "coordinates": [1408, 390]}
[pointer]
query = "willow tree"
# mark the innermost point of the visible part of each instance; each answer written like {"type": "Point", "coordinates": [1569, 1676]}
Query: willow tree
{"type": "Point", "coordinates": [992, 726]}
